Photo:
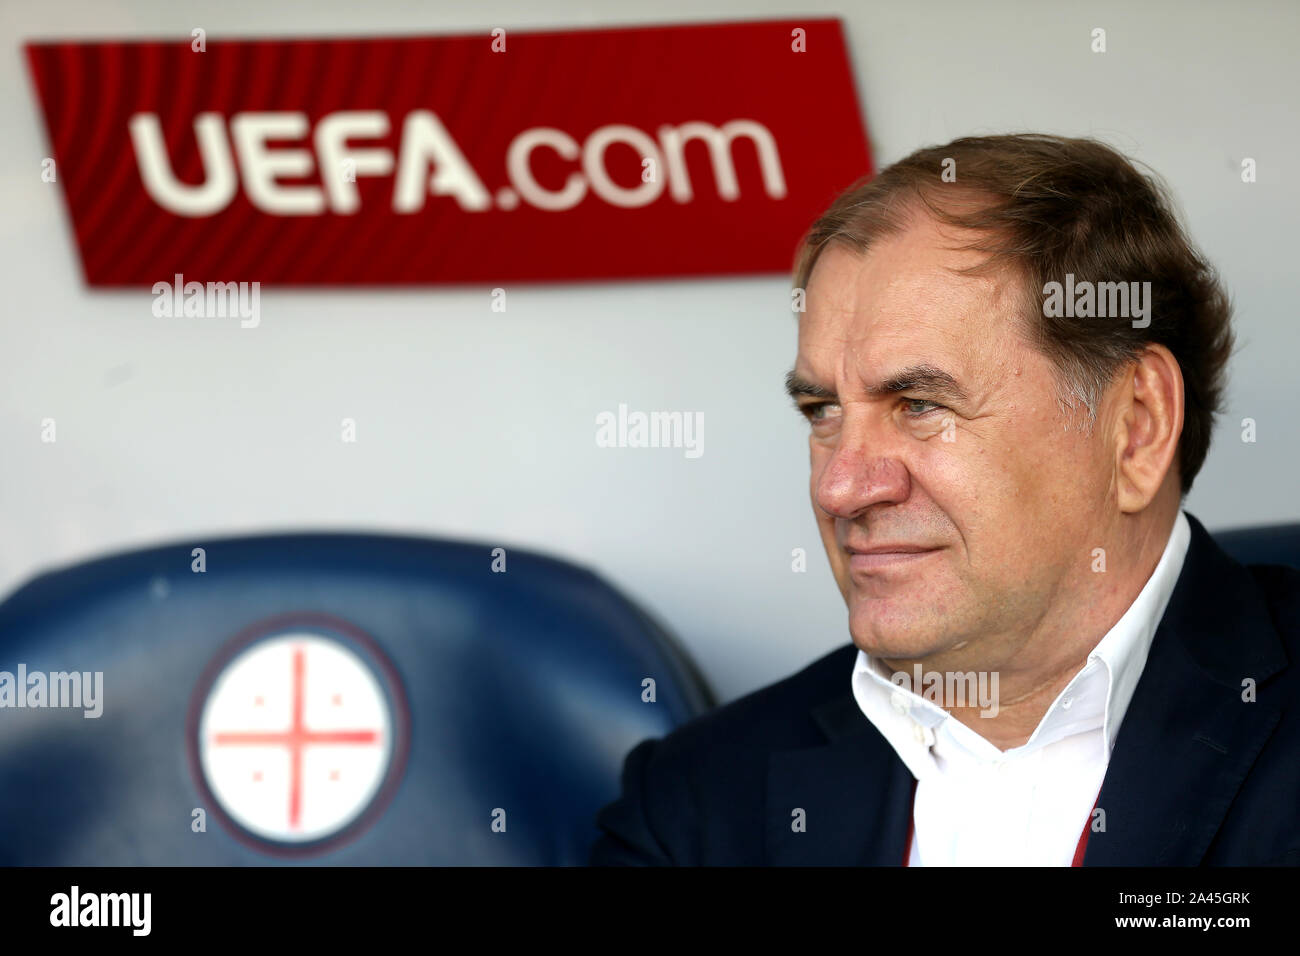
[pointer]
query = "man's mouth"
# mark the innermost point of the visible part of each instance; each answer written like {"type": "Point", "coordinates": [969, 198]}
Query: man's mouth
{"type": "Point", "coordinates": [879, 557]}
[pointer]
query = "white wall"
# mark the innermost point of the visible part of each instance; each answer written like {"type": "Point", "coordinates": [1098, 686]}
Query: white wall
{"type": "Point", "coordinates": [480, 424]}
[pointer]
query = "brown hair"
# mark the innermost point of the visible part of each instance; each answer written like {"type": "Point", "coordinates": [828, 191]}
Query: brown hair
{"type": "Point", "coordinates": [1048, 206]}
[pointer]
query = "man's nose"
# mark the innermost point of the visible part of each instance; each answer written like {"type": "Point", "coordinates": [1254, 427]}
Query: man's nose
{"type": "Point", "coordinates": [857, 476]}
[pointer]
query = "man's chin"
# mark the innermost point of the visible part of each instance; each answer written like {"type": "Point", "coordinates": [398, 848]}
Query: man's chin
{"type": "Point", "coordinates": [885, 629]}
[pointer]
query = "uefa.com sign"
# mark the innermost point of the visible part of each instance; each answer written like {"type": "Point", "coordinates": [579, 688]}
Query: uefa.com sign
{"type": "Point", "coordinates": [426, 145]}
{"type": "Point", "coordinates": [653, 151]}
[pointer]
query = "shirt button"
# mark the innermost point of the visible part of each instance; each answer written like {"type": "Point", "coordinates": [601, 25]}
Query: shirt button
{"type": "Point", "coordinates": [899, 703]}
{"type": "Point", "coordinates": [1066, 702]}
{"type": "Point", "coordinates": [923, 735]}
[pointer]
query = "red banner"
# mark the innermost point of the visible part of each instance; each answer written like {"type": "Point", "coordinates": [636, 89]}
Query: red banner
{"type": "Point", "coordinates": [583, 154]}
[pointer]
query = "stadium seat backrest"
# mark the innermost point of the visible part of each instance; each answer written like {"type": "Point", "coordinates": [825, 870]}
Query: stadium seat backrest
{"type": "Point", "coordinates": [324, 698]}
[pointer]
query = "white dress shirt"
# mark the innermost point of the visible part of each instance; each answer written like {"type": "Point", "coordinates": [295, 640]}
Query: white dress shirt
{"type": "Point", "coordinates": [977, 805]}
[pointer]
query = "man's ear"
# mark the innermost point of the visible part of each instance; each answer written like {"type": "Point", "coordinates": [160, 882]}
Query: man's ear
{"type": "Point", "coordinates": [1149, 423]}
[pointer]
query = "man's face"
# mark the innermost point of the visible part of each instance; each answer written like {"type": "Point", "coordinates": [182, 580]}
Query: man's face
{"type": "Point", "coordinates": [940, 434]}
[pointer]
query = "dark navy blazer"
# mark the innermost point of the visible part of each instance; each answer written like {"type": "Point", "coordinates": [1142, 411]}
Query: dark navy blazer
{"type": "Point", "coordinates": [1197, 776]}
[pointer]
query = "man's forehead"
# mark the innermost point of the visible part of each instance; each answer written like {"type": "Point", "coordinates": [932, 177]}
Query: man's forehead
{"type": "Point", "coordinates": [911, 275]}
{"type": "Point", "coordinates": [901, 304]}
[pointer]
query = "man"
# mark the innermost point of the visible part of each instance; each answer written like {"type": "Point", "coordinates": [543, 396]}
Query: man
{"type": "Point", "coordinates": [1010, 362]}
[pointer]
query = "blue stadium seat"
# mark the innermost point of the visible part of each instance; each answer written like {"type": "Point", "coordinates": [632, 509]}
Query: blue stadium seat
{"type": "Point", "coordinates": [510, 698]}
{"type": "Point", "coordinates": [326, 698]}
{"type": "Point", "coordinates": [1264, 544]}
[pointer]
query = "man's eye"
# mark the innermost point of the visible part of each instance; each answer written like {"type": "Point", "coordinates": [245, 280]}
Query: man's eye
{"type": "Point", "coordinates": [919, 406]}
{"type": "Point", "coordinates": [816, 413]}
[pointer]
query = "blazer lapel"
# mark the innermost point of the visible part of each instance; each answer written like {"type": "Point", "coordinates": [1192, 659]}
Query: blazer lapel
{"type": "Point", "coordinates": [855, 794]}
{"type": "Point", "coordinates": [1188, 739]}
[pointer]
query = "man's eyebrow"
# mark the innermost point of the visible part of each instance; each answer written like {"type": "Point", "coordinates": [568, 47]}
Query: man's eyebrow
{"type": "Point", "coordinates": [915, 378]}
{"type": "Point", "coordinates": [796, 385]}
{"type": "Point", "coordinates": [921, 378]}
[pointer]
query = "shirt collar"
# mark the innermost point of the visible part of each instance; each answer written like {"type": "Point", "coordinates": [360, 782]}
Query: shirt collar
{"type": "Point", "coordinates": [1124, 649]}
{"type": "Point", "coordinates": [1096, 699]}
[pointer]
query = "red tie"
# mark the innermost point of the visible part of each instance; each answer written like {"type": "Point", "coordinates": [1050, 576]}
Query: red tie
{"type": "Point", "coordinates": [1079, 850]}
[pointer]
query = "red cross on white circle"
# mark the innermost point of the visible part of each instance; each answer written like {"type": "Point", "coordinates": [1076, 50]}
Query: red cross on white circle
{"type": "Point", "coordinates": [295, 737]}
